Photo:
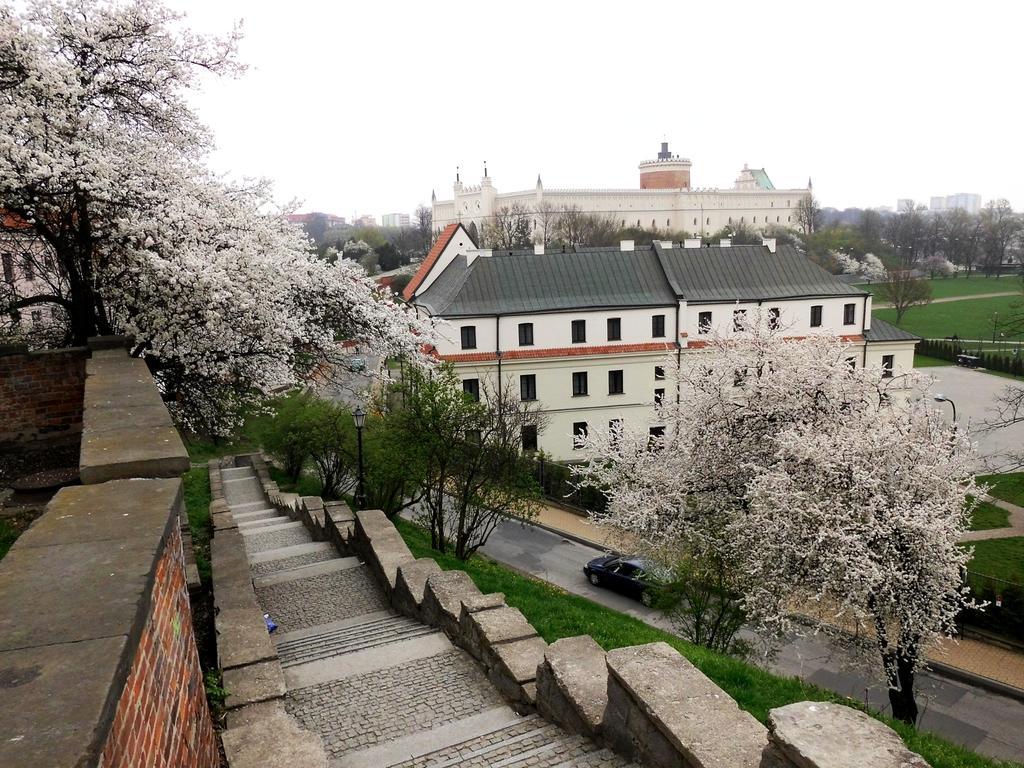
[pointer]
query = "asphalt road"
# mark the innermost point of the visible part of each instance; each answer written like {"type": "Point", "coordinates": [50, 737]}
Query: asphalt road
{"type": "Point", "coordinates": [985, 722]}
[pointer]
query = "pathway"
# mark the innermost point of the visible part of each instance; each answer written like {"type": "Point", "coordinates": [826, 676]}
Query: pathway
{"type": "Point", "coordinates": [945, 299]}
{"type": "Point", "coordinates": [380, 689]}
{"type": "Point", "coordinates": [1015, 528]}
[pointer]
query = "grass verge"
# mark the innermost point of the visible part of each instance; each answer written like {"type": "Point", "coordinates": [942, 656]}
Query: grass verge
{"type": "Point", "coordinates": [969, 319]}
{"type": "Point", "coordinates": [556, 614]}
{"type": "Point", "coordinates": [11, 528]}
{"type": "Point", "coordinates": [923, 361]}
{"type": "Point", "coordinates": [999, 558]}
{"type": "Point", "coordinates": [987, 516]}
{"type": "Point", "coordinates": [197, 504]}
{"type": "Point", "coordinates": [947, 287]}
{"type": "Point", "coordinates": [1008, 486]}
{"type": "Point", "coordinates": [308, 485]}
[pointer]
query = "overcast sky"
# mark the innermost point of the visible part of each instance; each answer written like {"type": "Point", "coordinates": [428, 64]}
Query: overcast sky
{"type": "Point", "coordinates": [368, 106]}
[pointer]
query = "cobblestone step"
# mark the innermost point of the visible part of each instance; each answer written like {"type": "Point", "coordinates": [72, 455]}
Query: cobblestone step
{"type": "Point", "coordinates": [528, 739]}
{"type": "Point", "coordinates": [263, 522]}
{"type": "Point", "coordinates": [236, 472]}
{"type": "Point", "coordinates": [256, 514]}
{"type": "Point", "coordinates": [350, 639]}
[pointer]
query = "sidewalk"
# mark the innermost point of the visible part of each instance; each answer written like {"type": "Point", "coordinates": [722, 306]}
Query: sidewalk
{"type": "Point", "coordinates": [968, 656]}
{"type": "Point", "coordinates": [946, 299]}
{"type": "Point", "coordinates": [1015, 528]}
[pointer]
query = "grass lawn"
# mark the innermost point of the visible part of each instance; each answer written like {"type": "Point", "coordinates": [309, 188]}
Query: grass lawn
{"type": "Point", "coordinates": [555, 614]}
{"type": "Point", "coordinates": [946, 287]}
{"type": "Point", "coordinates": [923, 361]}
{"type": "Point", "coordinates": [1008, 486]}
{"type": "Point", "coordinates": [12, 527]}
{"type": "Point", "coordinates": [970, 319]}
{"type": "Point", "coordinates": [197, 504]}
{"type": "Point", "coordinates": [987, 516]}
{"type": "Point", "coordinates": [308, 485]}
{"type": "Point", "coordinates": [999, 558]}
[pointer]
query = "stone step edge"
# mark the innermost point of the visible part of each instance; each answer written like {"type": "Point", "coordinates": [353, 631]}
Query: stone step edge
{"type": "Point", "coordinates": [503, 744]}
{"type": "Point", "coordinates": [355, 630]}
{"type": "Point", "coordinates": [330, 652]}
{"type": "Point", "coordinates": [290, 550]}
{"type": "Point", "coordinates": [416, 745]}
{"type": "Point", "coordinates": [268, 529]}
{"type": "Point", "coordinates": [308, 571]}
{"type": "Point", "coordinates": [251, 525]}
{"type": "Point", "coordinates": [351, 621]}
{"type": "Point", "coordinates": [251, 514]}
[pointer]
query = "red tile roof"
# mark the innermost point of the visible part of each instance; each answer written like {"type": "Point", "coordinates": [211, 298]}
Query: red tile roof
{"type": "Point", "coordinates": [428, 263]}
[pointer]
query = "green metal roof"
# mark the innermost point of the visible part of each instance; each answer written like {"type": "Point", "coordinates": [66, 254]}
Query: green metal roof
{"type": "Point", "coordinates": [883, 331]}
{"type": "Point", "coordinates": [761, 177]}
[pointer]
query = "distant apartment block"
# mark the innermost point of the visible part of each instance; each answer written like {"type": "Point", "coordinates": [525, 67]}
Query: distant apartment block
{"type": "Point", "coordinates": [366, 220]}
{"type": "Point", "coordinates": [306, 218]}
{"type": "Point", "coordinates": [396, 220]}
{"type": "Point", "coordinates": [965, 201]}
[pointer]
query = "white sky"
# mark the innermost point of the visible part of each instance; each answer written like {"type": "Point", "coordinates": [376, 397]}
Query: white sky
{"type": "Point", "coordinates": [367, 106]}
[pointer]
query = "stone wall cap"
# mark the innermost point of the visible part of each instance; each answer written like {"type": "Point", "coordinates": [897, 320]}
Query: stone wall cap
{"type": "Point", "coordinates": [819, 734]}
{"type": "Point", "coordinates": [579, 668]}
{"type": "Point", "coordinates": [503, 625]}
{"type": "Point", "coordinates": [477, 603]}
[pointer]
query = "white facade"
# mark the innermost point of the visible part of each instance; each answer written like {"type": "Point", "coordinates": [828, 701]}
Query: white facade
{"type": "Point", "coordinates": [965, 201]}
{"type": "Point", "coordinates": [395, 220]}
{"type": "Point", "coordinates": [752, 200]}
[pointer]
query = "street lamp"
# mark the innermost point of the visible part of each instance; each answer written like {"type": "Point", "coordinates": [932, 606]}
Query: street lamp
{"type": "Point", "coordinates": [359, 417]}
{"type": "Point", "coordinates": [943, 399]}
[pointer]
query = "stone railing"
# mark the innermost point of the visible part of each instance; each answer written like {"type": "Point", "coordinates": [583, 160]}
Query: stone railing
{"type": "Point", "coordinates": [645, 702]}
{"type": "Point", "coordinates": [98, 662]}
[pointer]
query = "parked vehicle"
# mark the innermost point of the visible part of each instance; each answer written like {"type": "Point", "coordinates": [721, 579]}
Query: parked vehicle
{"type": "Point", "coordinates": [632, 576]}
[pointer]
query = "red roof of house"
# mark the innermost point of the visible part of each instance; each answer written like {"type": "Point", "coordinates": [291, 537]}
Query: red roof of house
{"type": "Point", "coordinates": [428, 263]}
{"type": "Point", "coordinates": [10, 220]}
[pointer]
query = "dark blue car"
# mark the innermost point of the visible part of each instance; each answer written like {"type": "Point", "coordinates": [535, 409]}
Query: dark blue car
{"type": "Point", "coordinates": [631, 576]}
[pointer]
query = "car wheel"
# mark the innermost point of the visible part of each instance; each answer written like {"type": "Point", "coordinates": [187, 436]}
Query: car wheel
{"type": "Point", "coordinates": [645, 598]}
{"type": "Point", "coordinates": [595, 579]}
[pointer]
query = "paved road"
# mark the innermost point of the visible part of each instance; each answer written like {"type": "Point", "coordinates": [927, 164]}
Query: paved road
{"type": "Point", "coordinates": [974, 392]}
{"type": "Point", "coordinates": [946, 299]}
{"type": "Point", "coordinates": [985, 722]}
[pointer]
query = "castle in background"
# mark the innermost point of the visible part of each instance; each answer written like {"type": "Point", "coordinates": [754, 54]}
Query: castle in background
{"type": "Point", "coordinates": [664, 201]}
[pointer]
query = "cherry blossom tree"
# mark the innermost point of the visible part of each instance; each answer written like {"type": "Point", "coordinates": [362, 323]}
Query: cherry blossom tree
{"type": "Point", "coordinates": [102, 156]}
{"type": "Point", "coordinates": [821, 487]}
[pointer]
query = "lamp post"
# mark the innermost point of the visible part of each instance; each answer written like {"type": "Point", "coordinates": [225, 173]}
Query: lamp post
{"type": "Point", "coordinates": [943, 399]}
{"type": "Point", "coordinates": [359, 417]}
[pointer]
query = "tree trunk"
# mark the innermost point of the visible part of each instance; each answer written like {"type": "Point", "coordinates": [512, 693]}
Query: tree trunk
{"type": "Point", "coordinates": [901, 692]}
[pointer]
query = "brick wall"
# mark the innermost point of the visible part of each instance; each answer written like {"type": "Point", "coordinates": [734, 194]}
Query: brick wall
{"type": "Point", "coordinates": [162, 719]}
{"type": "Point", "coordinates": [41, 394]}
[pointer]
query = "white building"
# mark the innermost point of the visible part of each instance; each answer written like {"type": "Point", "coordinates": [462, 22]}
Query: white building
{"type": "Point", "coordinates": [395, 220]}
{"type": "Point", "coordinates": [588, 332]}
{"type": "Point", "coordinates": [965, 201]}
{"type": "Point", "coordinates": [664, 201]}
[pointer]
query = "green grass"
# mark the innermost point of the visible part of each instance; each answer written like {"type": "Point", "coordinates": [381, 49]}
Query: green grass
{"type": "Point", "coordinates": [944, 288]}
{"type": "Point", "coordinates": [999, 558]}
{"type": "Point", "coordinates": [987, 516]}
{"type": "Point", "coordinates": [197, 504]}
{"type": "Point", "coordinates": [8, 534]}
{"type": "Point", "coordinates": [1008, 486]}
{"type": "Point", "coordinates": [923, 361]}
{"type": "Point", "coordinates": [555, 614]}
{"type": "Point", "coordinates": [970, 319]}
{"type": "Point", "coordinates": [308, 485]}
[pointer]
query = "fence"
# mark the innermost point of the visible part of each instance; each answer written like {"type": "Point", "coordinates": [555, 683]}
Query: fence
{"type": "Point", "coordinates": [556, 481]}
{"type": "Point", "coordinates": [1004, 613]}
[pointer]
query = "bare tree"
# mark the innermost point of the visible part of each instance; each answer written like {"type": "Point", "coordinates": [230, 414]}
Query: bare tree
{"type": "Point", "coordinates": [424, 227]}
{"type": "Point", "coordinates": [903, 290]}
{"type": "Point", "coordinates": [962, 238]}
{"type": "Point", "coordinates": [508, 228]}
{"type": "Point", "coordinates": [546, 216]}
{"type": "Point", "coordinates": [571, 225]}
{"type": "Point", "coordinates": [808, 213]}
{"type": "Point", "coordinates": [1000, 227]}
{"type": "Point", "coordinates": [906, 232]}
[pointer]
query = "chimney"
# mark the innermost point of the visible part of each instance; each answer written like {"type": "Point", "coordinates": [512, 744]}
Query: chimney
{"type": "Point", "coordinates": [691, 242]}
{"type": "Point", "coordinates": [725, 243]}
{"type": "Point", "coordinates": [667, 244]}
{"type": "Point", "coordinates": [769, 243]}
{"type": "Point", "coordinates": [485, 253]}
{"type": "Point", "coordinates": [626, 245]}
{"type": "Point", "coordinates": [538, 249]}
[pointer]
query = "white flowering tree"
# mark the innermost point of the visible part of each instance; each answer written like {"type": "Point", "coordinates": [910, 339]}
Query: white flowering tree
{"type": "Point", "coordinates": [870, 267]}
{"type": "Point", "coordinates": [825, 489]}
{"type": "Point", "coordinates": [101, 154]}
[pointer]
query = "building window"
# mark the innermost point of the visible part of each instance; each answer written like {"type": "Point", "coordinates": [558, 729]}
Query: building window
{"type": "Point", "coordinates": [778, 219]}
{"type": "Point", "coordinates": [615, 431]}
{"type": "Point", "coordinates": [37, 316]}
{"type": "Point", "coordinates": [526, 334]}
{"type": "Point", "coordinates": [852, 362]}
{"type": "Point", "coordinates": [704, 323]}
{"type": "Point", "coordinates": [615, 383]}
{"type": "Point", "coordinates": [472, 388]}
{"type": "Point", "coordinates": [773, 318]}
{"type": "Point", "coordinates": [473, 436]}
{"type": "Point", "coordinates": [468, 336]}
{"type": "Point", "coordinates": [695, 221]}
{"type": "Point", "coordinates": [658, 326]}
{"type": "Point", "coordinates": [657, 431]}
{"type": "Point", "coordinates": [656, 438]}
{"type": "Point", "coordinates": [849, 314]}
{"type": "Point", "coordinates": [789, 218]}
{"type": "Point", "coordinates": [709, 220]}
{"type": "Point", "coordinates": [528, 387]}
{"type": "Point", "coordinates": [529, 437]}
{"type": "Point", "coordinates": [579, 331]}
{"type": "Point", "coordinates": [579, 433]}
{"type": "Point", "coordinates": [659, 396]}
{"type": "Point", "coordinates": [816, 316]}
{"type": "Point", "coordinates": [659, 372]}
{"type": "Point", "coordinates": [755, 219]}
{"type": "Point", "coordinates": [8, 268]}
{"type": "Point", "coordinates": [579, 384]}
{"type": "Point", "coordinates": [730, 219]}
{"type": "Point", "coordinates": [614, 329]}
{"type": "Point", "coordinates": [667, 223]}
{"type": "Point", "coordinates": [739, 319]}
{"type": "Point", "coordinates": [888, 362]}
{"type": "Point", "coordinates": [738, 377]}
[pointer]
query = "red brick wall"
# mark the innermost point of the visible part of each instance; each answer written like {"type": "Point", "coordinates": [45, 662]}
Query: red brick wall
{"type": "Point", "coordinates": [162, 720]}
{"type": "Point", "coordinates": [665, 180]}
{"type": "Point", "coordinates": [41, 394]}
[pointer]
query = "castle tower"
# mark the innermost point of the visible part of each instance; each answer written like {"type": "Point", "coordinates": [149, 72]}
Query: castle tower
{"type": "Point", "coordinates": [667, 172]}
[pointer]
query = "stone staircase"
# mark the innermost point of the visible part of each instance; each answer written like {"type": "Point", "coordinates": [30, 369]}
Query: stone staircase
{"type": "Point", "coordinates": [379, 689]}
